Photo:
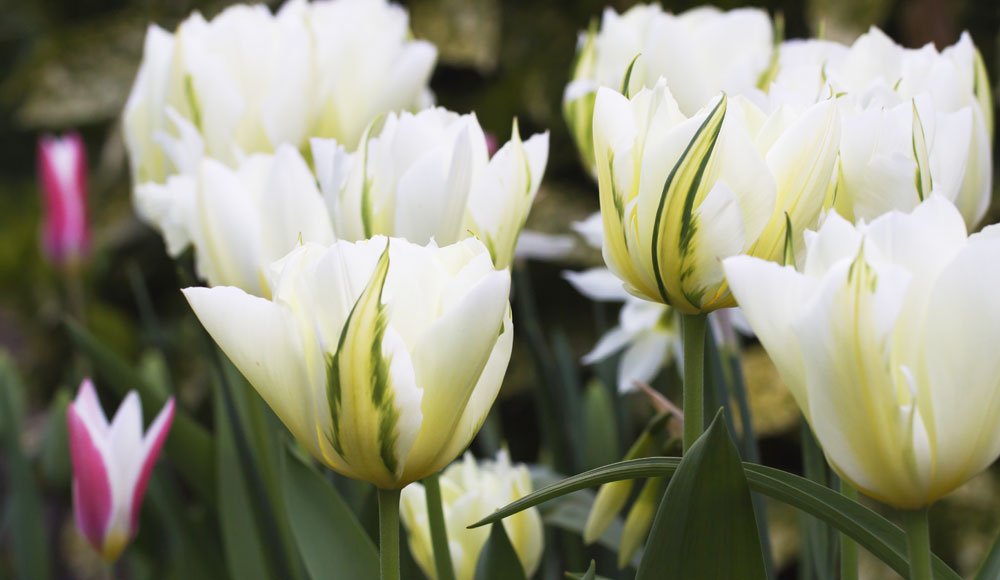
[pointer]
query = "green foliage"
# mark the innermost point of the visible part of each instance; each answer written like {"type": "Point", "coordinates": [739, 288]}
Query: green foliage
{"type": "Point", "coordinates": [498, 560]}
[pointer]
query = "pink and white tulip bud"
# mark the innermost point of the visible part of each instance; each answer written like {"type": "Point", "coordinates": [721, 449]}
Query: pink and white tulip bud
{"type": "Point", "coordinates": [62, 171]}
{"type": "Point", "coordinates": [112, 463]}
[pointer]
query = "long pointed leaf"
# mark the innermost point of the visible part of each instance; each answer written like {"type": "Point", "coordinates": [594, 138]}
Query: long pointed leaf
{"type": "Point", "coordinates": [885, 540]}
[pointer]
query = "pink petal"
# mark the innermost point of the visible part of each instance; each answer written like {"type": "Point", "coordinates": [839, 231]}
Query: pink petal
{"type": "Point", "coordinates": [62, 170]}
{"type": "Point", "coordinates": [155, 437]}
{"type": "Point", "coordinates": [89, 406]}
{"type": "Point", "coordinates": [91, 484]}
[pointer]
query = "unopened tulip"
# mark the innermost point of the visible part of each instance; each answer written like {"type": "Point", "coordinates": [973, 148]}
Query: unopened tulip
{"type": "Point", "coordinates": [382, 357]}
{"type": "Point", "coordinates": [238, 220]}
{"type": "Point", "coordinates": [429, 176]}
{"type": "Point", "coordinates": [699, 53]}
{"type": "Point", "coordinates": [248, 80]}
{"type": "Point", "coordinates": [680, 193]}
{"type": "Point", "coordinates": [471, 491]}
{"type": "Point", "coordinates": [887, 340]}
{"type": "Point", "coordinates": [112, 463]}
{"type": "Point", "coordinates": [62, 173]}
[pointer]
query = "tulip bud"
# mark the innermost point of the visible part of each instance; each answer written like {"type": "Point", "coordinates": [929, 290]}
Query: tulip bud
{"type": "Point", "coordinates": [112, 464]}
{"type": "Point", "coordinates": [887, 341]}
{"type": "Point", "coordinates": [429, 176]}
{"type": "Point", "coordinates": [381, 357]}
{"type": "Point", "coordinates": [640, 518]}
{"type": "Point", "coordinates": [678, 194]}
{"type": "Point", "coordinates": [699, 53]}
{"type": "Point", "coordinates": [471, 491]}
{"type": "Point", "coordinates": [62, 172]}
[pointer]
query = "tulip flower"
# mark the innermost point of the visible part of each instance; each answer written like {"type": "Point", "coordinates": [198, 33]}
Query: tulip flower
{"type": "Point", "coordinates": [680, 193]}
{"type": "Point", "coordinates": [471, 491]}
{"type": "Point", "coordinates": [913, 120]}
{"type": "Point", "coordinates": [62, 172]}
{"type": "Point", "coordinates": [239, 220]}
{"type": "Point", "coordinates": [699, 53]}
{"type": "Point", "coordinates": [248, 80]}
{"type": "Point", "coordinates": [112, 463]}
{"type": "Point", "coordinates": [382, 357]}
{"type": "Point", "coordinates": [429, 176]}
{"type": "Point", "coordinates": [887, 341]}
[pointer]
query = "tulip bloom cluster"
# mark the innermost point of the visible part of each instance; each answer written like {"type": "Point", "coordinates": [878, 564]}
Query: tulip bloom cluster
{"type": "Point", "coordinates": [248, 81]}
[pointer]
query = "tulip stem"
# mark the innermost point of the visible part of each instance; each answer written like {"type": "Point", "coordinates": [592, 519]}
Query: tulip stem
{"type": "Point", "coordinates": [848, 548]}
{"type": "Point", "coordinates": [439, 533]}
{"type": "Point", "coordinates": [693, 329]}
{"type": "Point", "coordinates": [388, 533]}
{"type": "Point", "coordinates": [918, 541]}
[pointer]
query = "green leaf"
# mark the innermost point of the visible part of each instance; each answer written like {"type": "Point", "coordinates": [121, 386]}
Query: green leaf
{"type": "Point", "coordinates": [706, 512]}
{"type": "Point", "coordinates": [54, 459]}
{"type": "Point", "coordinates": [601, 435]}
{"type": "Point", "coordinates": [498, 560]}
{"type": "Point", "coordinates": [885, 540]}
{"type": "Point", "coordinates": [26, 522]}
{"type": "Point", "coordinates": [241, 538]}
{"type": "Point", "coordinates": [189, 445]}
{"type": "Point", "coordinates": [590, 574]}
{"type": "Point", "coordinates": [330, 540]}
{"type": "Point", "coordinates": [990, 568]}
{"type": "Point", "coordinates": [819, 553]}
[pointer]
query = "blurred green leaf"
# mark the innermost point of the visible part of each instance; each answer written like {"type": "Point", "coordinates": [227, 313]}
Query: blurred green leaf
{"type": "Point", "coordinates": [990, 568]}
{"type": "Point", "coordinates": [189, 445]}
{"type": "Point", "coordinates": [590, 574]}
{"type": "Point", "coordinates": [819, 542]}
{"type": "Point", "coordinates": [705, 512]}
{"type": "Point", "coordinates": [55, 460]}
{"type": "Point", "coordinates": [883, 539]}
{"type": "Point", "coordinates": [498, 560]}
{"type": "Point", "coordinates": [330, 540]}
{"type": "Point", "coordinates": [244, 549]}
{"type": "Point", "coordinates": [600, 435]}
{"type": "Point", "coordinates": [25, 523]}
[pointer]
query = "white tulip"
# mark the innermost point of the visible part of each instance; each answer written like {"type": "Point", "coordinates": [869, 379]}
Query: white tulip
{"type": "Point", "coordinates": [248, 81]}
{"type": "Point", "coordinates": [239, 220]}
{"type": "Point", "coordinates": [471, 491]}
{"type": "Point", "coordinates": [699, 53]}
{"type": "Point", "coordinates": [381, 357]}
{"type": "Point", "coordinates": [680, 193]}
{"type": "Point", "coordinates": [887, 341]}
{"type": "Point", "coordinates": [428, 176]}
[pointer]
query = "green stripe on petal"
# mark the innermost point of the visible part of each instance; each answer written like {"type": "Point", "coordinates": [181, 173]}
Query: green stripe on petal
{"type": "Point", "coordinates": [675, 226]}
{"type": "Point", "coordinates": [921, 155]}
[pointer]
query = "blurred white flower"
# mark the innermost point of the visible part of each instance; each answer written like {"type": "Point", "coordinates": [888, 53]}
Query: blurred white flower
{"type": "Point", "coordinates": [471, 491]}
{"type": "Point", "coordinates": [248, 81]}
{"type": "Point", "coordinates": [699, 53]}
{"type": "Point", "coordinates": [429, 175]}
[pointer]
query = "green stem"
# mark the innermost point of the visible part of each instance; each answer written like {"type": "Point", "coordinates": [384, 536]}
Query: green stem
{"type": "Point", "coordinates": [439, 533]}
{"type": "Point", "coordinates": [388, 533]}
{"type": "Point", "coordinates": [848, 548]}
{"type": "Point", "coordinates": [693, 329]}
{"type": "Point", "coordinates": [918, 541]}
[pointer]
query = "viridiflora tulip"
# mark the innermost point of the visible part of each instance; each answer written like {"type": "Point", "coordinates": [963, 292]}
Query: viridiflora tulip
{"type": "Point", "coordinates": [471, 491]}
{"type": "Point", "coordinates": [112, 464]}
{"type": "Point", "coordinates": [429, 176]}
{"type": "Point", "coordinates": [887, 340]}
{"type": "Point", "coordinates": [699, 53]}
{"type": "Point", "coordinates": [238, 220]}
{"type": "Point", "coordinates": [247, 81]}
{"type": "Point", "coordinates": [680, 193]}
{"type": "Point", "coordinates": [381, 357]}
{"type": "Point", "coordinates": [913, 120]}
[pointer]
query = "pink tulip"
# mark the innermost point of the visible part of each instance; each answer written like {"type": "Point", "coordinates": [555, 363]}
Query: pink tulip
{"type": "Point", "coordinates": [111, 466]}
{"type": "Point", "coordinates": [62, 170]}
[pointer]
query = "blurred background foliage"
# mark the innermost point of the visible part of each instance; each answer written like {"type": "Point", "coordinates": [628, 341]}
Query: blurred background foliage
{"type": "Point", "coordinates": [69, 64]}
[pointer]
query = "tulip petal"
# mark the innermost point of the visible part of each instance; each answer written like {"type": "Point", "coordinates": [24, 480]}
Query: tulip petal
{"type": "Point", "coordinates": [152, 442]}
{"type": "Point", "coordinates": [262, 342]}
{"type": "Point", "coordinates": [643, 359]}
{"type": "Point", "coordinates": [293, 207]}
{"type": "Point", "coordinates": [598, 284]}
{"type": "Point", "coordinates": [92, 494]}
